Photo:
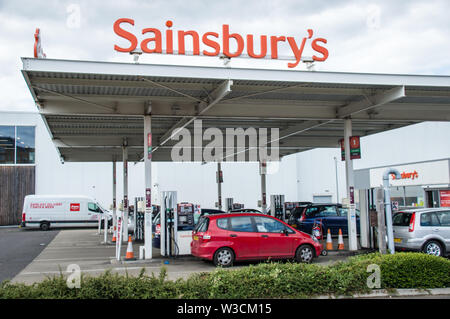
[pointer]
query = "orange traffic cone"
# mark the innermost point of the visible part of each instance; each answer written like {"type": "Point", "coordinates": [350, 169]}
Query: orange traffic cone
{"type": "Point", "coordinates": [340, 241]}
{"type": "Point", "coordinates": [329, 241]}
{"type": "Point", "coordinates": [114, 235]}
{"type": "Point", "coordinates": [130, 252]}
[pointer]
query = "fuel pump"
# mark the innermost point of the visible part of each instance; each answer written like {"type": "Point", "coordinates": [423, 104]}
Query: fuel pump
{"type": "Point", "coordinates": [277, 208]}
{"type": "Point", "coordinates": [168, 224]}
{"type": "Point", "coordinates": [139, 205]}
{"type": "Point", "coordinates": [185, 225]}
{"type": "Point", "coordinates": [185, 215]}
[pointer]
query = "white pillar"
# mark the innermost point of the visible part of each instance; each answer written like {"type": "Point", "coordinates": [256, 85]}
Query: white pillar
{"type": "Point", "coordinates": [148, 187]}
{"type": "Point", "coordinates": [105, 227]}
{"type": "Point", "coordinates": [351, 216]}
{"type": "Point", "coordinates": [125, 193]}
{"type": "Point", "coordinates": [219, 186]}
{"type": "Point", "coordinates": [114, 208]}
{"type": "Point", "coordinates": [364, 223]}
{"type": "Point", "coordinates": [263, 171]}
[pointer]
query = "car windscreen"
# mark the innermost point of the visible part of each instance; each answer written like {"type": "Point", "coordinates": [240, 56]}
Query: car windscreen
{"type": "Point", "coordinates": [401, 219]}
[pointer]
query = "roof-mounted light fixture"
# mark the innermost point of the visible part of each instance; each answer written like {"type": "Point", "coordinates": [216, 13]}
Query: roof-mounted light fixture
{"type": "Point", "coordinates": [136, 53]}
{"type": "Point", "coordinates": [309, 63]}
{"type": "Point", "coordinates": [226, 59]}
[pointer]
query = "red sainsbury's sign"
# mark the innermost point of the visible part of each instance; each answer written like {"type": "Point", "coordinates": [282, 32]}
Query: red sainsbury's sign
{"type": "Point", "coordinates": [213, 46]}
{"type": "Point", "coordinates": [407, 175]}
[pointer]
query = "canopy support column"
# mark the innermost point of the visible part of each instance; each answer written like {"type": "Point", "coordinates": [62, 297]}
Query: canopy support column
{"type": "Point", "coordinates": [148, 186]}
{"type": "Point", "coordinates": [351, 215]}
{"type": "Point", "coordinates": [125, 191]}
{"type": "Point", "coordinates": [263, 171]}
{"type": "Point", "coordinates": [219, 186]}
{"type": "Point", "coordinates": [114, 201]}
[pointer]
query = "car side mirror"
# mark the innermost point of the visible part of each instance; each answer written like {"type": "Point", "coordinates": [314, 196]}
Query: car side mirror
{"type": "Point", "coordinates": [286, 232]}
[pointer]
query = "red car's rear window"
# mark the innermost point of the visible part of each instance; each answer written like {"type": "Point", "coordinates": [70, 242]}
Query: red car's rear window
{"type": "Point", "coordinates": [202, 225]}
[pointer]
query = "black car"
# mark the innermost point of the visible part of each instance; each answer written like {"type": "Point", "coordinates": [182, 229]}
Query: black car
{"type": "Point", "coordinates": [205, 212]}
{"type": "Point", "coordinates": [245, 210]}
{"type": "Point", "coordinates": [332, 216]}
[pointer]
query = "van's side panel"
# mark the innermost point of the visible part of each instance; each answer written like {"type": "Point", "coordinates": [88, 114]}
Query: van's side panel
{"type": "Point", "coordinates": [40, 210]}
{"type": "Point", "coordinates": [59, 211]}
{"type": "Point", "coordinates": [75, 212]}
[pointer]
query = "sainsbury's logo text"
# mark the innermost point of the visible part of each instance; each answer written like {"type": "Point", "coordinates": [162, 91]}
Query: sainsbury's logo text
{"type": "Point", "coordinates": [213, 46]}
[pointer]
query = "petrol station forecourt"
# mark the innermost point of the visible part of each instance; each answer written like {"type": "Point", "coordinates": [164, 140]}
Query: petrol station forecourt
{"type": "Point", "coordinates": [237, 98]}
{"type": "Point", "coordinates": [97, 111]}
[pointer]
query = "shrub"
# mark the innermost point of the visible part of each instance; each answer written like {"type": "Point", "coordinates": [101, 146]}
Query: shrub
{"type": "Point", "coordinates": [265, 280]}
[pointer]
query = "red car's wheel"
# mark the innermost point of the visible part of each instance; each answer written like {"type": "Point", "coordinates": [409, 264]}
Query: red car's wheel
{"type": "Point", "coordinates": [304, 254]}
{"type": "Point", "coordinates": [224, 257]}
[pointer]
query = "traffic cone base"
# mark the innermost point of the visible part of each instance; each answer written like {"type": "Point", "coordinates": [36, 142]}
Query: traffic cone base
{"type": "Point", "coordinates": [340, 241]}
{"type": "Point", "coordinates": [329, 241]}
{"type": "Point", "coordinates": [114, 235]}
{"type": "Point", "coordinates": [130, 253]}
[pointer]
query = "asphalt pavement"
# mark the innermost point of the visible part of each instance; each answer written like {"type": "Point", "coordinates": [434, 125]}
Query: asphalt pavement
{"type": "Point", "coordinates": [84, 248]}
{"type": "Point", "coordinates": [19, 247]}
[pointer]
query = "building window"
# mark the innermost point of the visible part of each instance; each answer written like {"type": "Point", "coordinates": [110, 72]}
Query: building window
{"type": "Point", "coordinates": [17, 144]}
{"type": "Point", "coordinates": [25, 145]}
{"type": "Point", "coordinates": [7, 144]}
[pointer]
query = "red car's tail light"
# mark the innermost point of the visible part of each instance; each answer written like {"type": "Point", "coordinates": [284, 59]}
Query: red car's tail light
{"type": "Point", "coordinates": [158, 229]}
{"type": "Point", "coordinates": [412, 222]}
{"type": "Point", "coordinates": [23, 217]}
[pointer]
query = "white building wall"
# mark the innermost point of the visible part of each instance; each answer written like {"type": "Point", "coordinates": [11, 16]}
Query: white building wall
{"type": "Point", "coordinates": [419, 142]}
{"type": "Point", "coordinates": [316, 174]}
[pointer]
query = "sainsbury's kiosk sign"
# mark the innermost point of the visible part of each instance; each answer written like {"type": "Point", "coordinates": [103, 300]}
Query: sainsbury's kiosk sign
{"type": "Point", "coordinates": [214, 43]}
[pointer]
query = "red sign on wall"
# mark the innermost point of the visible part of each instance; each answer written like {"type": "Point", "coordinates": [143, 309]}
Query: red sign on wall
{"type": "Point", "coordinates": [445, 198]}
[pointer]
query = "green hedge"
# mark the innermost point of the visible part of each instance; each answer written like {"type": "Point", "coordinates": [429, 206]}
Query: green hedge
{"type": "Point", "coordinates": [265, 280]}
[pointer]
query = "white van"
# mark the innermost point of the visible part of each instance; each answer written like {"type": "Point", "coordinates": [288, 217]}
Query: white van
{"type": "Point", "coordinates": [45, 211]}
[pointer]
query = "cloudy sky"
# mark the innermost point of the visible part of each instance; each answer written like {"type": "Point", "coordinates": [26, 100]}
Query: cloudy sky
{"type": "Point", "coordinates": [363, 36]}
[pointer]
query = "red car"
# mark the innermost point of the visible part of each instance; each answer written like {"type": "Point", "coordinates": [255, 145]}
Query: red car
{"type": "Point", "coordinates": [225, 238]}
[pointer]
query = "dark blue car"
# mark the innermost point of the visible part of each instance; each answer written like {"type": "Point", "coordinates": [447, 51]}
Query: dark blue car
{"type": "Point", "coordinates": [332, 216]}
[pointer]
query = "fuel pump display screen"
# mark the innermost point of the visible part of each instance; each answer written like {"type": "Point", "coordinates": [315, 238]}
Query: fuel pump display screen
{"type": "Point", "coordinates": [182, 219]}
{"type": "Point", "coordinates": [185, 214]}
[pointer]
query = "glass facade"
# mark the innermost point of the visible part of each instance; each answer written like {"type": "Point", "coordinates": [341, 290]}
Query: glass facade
{"type": "Point", "coordinates": [17, 144]}
{"type": "Point", "coordinates": [408, 196]}
{"type": "Point", "coordinates": [25, 145]}
{"type": "Point", "coordinates": [7, 144]}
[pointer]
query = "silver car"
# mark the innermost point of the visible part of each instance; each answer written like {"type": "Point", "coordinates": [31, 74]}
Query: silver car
{"type": "Point", "coordinates": [426, 230]}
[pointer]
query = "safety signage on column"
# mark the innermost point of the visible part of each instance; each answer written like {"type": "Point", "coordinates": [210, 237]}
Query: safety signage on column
{"type": "Point", "coordinates": [355, 148]}
{"type": "Point", "coordinates": [119, 235]}
{"type": "Point", "coordinates": [148, 198]}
